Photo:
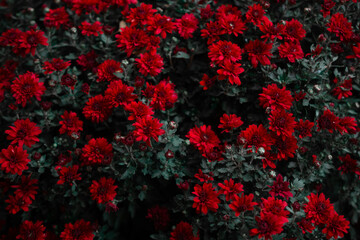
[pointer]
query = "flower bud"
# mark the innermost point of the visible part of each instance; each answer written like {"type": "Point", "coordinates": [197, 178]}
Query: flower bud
{"type": "Point", "coordinates": [37, 156]}
{"type": "Point", "coordinates": [296, 206]}
{"type": "Point", "coordinates": [321, 38]}
{"type": "Point", "coordinates": [307, 10]}
{"type": "Point", "coordinates": [169, 154]}
{"type": "Point", "coordinates": [172, 125]}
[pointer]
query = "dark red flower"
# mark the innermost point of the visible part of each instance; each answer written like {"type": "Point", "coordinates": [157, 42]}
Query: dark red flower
{"type": "Point", "coordinates": [23, 132]}
{"type": "Point", "coordinates": [256, 136]}
{"type": "Point", "coordinates": [68, 80]}
{"type": "Point", "coordinates": [306, 225]}
{"type": "Point", "coordinates": [26, 189]}
{"type": "Point", "coordinates": [328, 121]}
{"type": "Point", "coordinates": [340, 25]}
{"type": "Point", "coordinates": [106, 70]}
{"type": "Point", "coordinates": [291, 51]}
{"type": "Point", "coordinates": [282, 123]}
{"type": "Point", "coordinates": [280, 188]}
{"type": "Point", "coordinates": [276, 98]}
{"type": "Point", "coordinates": [159, 216]}
{"type": "Point", "coordinates": [88, 61]}
{"type": "Point", "coordinates": [259, 51]}
{"type": "Point", "coordinates": [255, 14]}
{"type": "Point", "coordinates": [214, 154]}
{"type": "Point", "coordinates": [336, 226]}
{"type": "Point", "coordinates": [160, 25]}
{"type": "Point", "coordinates": [120, 94]}
{"type": "Point", "coordinates": [98, 108]}
{"type": "Point", "coordinates": [276, 207]}
{"type": "Point", "coordinates": [140, 15]}
{"type": "Point", "coordinates": [230, 189]}
{"type": "Point", "coordinates": [242, 203]}
{"type": "Point", "coordinates": [31, 39]}
{"type": "Point", "coordinates": [183, 231]}
{"type": "Point", "coordinates": [318, 209]}
{"type": "Point", "coordinates": [31, 231]}
{"type": "Point", "coordinates": [230, 70]}
{"type": "Point", "coordinates": [203, 137]}
{"type": "Point", "coordinates": [271, 32]}
{"type": "Point", "coordinates": [229, 122]}
{"type": "Point", "coordinates": [17, 203]}
{"type": "Point", "coordinates": [343, 90]}
{"type": "Point", "coordinates": [131, 39]}
{"type": "Point", "coordinates": [203, 177]}
{"type": "Point", "coordinates": [138, 110]}
{"type": "Point", "coordinates": [231, 24]}
{"type": "Point", "coordinates": [70, 123]}
{"type": "Point", "coordinates": [68, 174]}
{"type": "Point", "coordinates": [80, 230]}
{"type": "Point", "coordinates": [88, 29]}
{"type": "Point", "coordinates": [347, 125]}
{"type": "Point", "coordinates": [326, 7]}
{"type": "Point", "coordinates": [148, 127]}
{"type": "Point", "coordinates": [206, 198]}
{"type": "Point", "coordinates": [212, 32]}
{"type": "Point", "coordinates": [150, 63]}
{"type": "Point", "coordinates": [56, 18]}
{"type": "Point", "coordinates": [268, 225]}
{"type": "Point", "coordinates": [285, 147]}
{"type": "Point", "coordinates": [299, 95]}
{"type": "Point", "coordinates": [348, 165]}
{"type": "Point", "coordinates": [187, 25]}
{"type": "Point", "coordinates": [56, 64]}
{"type": "Point", "coordinates": [206, 12]}
{"type": "Point", "coordinates": [207, 82]}
{"type": "Point", "coordinates": [222, 50]}
{"type": "Point", "coordinates": [294, 31]}
{"type": "Point", "coordinates": [164, 95]}
{"type": "Point", "coordinates": [14, 160]}
{"type": "Point", "coordinates": [304, 128]}
{"type": "Point", "coordinates": [97, 151]}
{"type": "Point", "coordinates": [103, 191]}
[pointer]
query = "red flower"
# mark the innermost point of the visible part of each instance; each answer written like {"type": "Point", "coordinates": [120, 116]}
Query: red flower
{"type": "Point", "coordinates": [56, 18]}
{"type": "Point", "coordinates": [299, 95]}
{"type": "Point", "coordinates": [259, 51]}
{"type": "Point", "coordinates": [207, 82]}
{"type": "Point", "coordinates": [107, 69]}
{"type": "Point", "coordinates": [256, 136]}
{"type": "Point", "coordinates": [343, 90]}
{"type": "Point", "coordinates": [56, 64]}
{"type": "Point", "coordinates": [212, 32]}
{"type": "Point", "coordinates": [148, 127]}
{"type": "Point", "coordinates": [255, 14]}
{"type": "Point", "coordinates": [282, 123]}
{"type": "Point", "coordinates": [150, 63]}
{"type": "Point", "coordinates": [138, 110]}
{"type": "Point", "coordinates": [17, 203]}
{"type": "Point", "coordinates": [328, 121]}
{"type": "Point", "coordinates": [326, 7]}
{"type": "Point", "coordinates": [285, 146]}
{"type": "Point", "coordinates": [276, 98]}
{"type": "Point", "coordinates": [291, 51]}
{"type": "Point", "coordinates": [164, 95]}
{"type": "Point", "coordinates": [336, 226]}
{"type": "Point", "coordinates": [120, 94]}
{"type": "Point", "coordinates": [242, 204]}
{"type": "Point", "coordinates": [24, 132]}
{"type": "Point", "coordinates": [98, 108]}
{"type": "Point", "coordinates": [340, 25]}
{"type": "Point", "coordinates": [270, 30]}
{"type": "Point", "coordinates": [222, 50]}
{"type": "Point", "coordinates": [206, 198]}
{"type": "Point", "coordinates": [268, 225]}
{"type": "Point", "coordinates": [68, 80]}
{"type": "Point", "coordinates": [70, 123]}
{"type": "Point", "coordinates": [347, 125]}
{"type": "Point", "coordinates": [68, 174]}
{"type": "Point", "coordinates": [230, 70]}
{"type": "Point", "coordinates": [294, 31]}
{"type": "Point", "coordinates": [14, 160]}
{"type": "Point", "coordinates": [88, 61]}
{"type": "Point", "coordinates": [318, 208]}
{"type": "Point", "coordinates": [26, 189]}
{"type": "Point", "coordinates": [214, 154]}
{"type": "Point", "coordinates": [88, 29]}
{"type": "Point", "coordinates": [229, 122]}
{"type": "Point", "coordinates": [159, 216]}
{"type": "Point", "coordinates": [275, 206]}
{"type": "Point", "coordinates": [203, 177]}
{"type": "Point", "coordinates": [230, 189]}
{"type": "Point", "coordinates": [187, 25]}
{"type": "Point", "coordinates": [27, 86]}
{"type": "Point", "coordinates": [160, 25]}
{"type": "Point", "coordinates": [306, 225]}
{"type": "Point", "coordinates": [356, 50]}
{"type": "Point", "coordinates": [131, 39]}
{"type": "Point", "coordinates": [141, 15]}
{"type": "Point", "coordinates": [315, 52]}
{"type": "Point", "coordinates": [30, 230]}
{"type": "Point", "coordinates": [203, 137]}
{"type": "Point", "coordinates": [80, 230]}
{"type": "Point", "coordinates": [182, 231]}
{"type": "Point", "coordinates": [304, 128]}
{"type": "Point", "coordinates": [348, 165]}
{"type": "Point", "coordinates": [97, 151]}
{"type": "Point", "coordinates": [103, 191]}
{"type": "Point", "coordinates": [280, 188]}
{"type": "Point", "coordinates": [231, 24]}
{"type": "Point", "coordinates": [31, 39]}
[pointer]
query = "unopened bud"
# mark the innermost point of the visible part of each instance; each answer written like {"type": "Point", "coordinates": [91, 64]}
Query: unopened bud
{"type": "Point", "coordinates": [261, 150]}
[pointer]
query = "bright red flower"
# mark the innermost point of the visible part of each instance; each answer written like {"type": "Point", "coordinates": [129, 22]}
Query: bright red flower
{"type": "Point", "coordinates": [206, 198]}
{"type": "Point", "coordinates": [348, 165]}
{"type": "Point", "coordinates": [294, 31]}
{"type": "Point", "coordinates": [229, 188]}
{"type": "Point", "coordinates": [256, 136]}
{"type": "Point", "coordinates": [131, 39]}
{"type": "Point", "coordinates": [356, 50]}
{"type": "Point", "coordinates": [27, 86]}
{"type": "Point", "coordinates": [203, 177]}
{"type": "Point", "coordinates": [106, 70]}
{"type": "Point", "coordinates": [148, 127]}
{"type": "Point", "coordinates": [150, 63]}
{"type": "Point", "coordinates": [31, 231]}
{"type": "Point", "coordinates": [280, 188]}
{"type": "Point", "coordinates": [164, 95]}
{"type": "Point", "coordinates": [17, 203]}
{"type": "Point", "coordinates": [138, 110]}
{"type": "Point", "coordinates": [70, 123]}
{"type": "Point", "coordinates": [229, 122]}
{"type": "Point", "coordinates": [212, 32]}
{"type": "Point", "coordinates": [276, 207]}
{"type": "Point", "coordinates": [271, 32]}
{"type": "Point", "coordinates": [285, 147]}
{"type": "Point", "coordinates": [340, 25]}
{"type": "Point", "coordinates": [343, 90]}
{"type": "Point", "coordinates": [56, 64]}
{"type": "Point", "coordinates": [242, 204]}
{"type": "Point", "coordinates": [306, 225]}
{"type": "Point", "coordinates": [88, 29]}
{"type": "Point", "coordinates": [347, 125]}
{"type": "Point", "coordinates": [207, 82]}
{"type": "Point", "coordinates": [88, 61]}
{"type": "Point", "coordinates": [103, 191]}
{"type": "Point", "coordinates": [268, 225]}
{"type": "Point", "coordinates": [255, 14]}
{"type": "Point", "coordinates": [231, 24]}
{"type": "Point", "coordinates": [97, 151]}
{"type": "Point", "coordinates": [187, 25]}
{"type": "Point", "coordinates": [276, 98]}
{"type": "Point", "coordinates": [227, 9]}
{"type": "Point", "coordinates": [230, 70]}
{"type": "Point", "coordinates": [259, 51]}
{"type": "Point", "coordinates": [26, 189]}
{"type": "Point", "coordinates": [68, 174]}
{"type": "Point", "coordinates": [318, 209]}
{"type": "Point", "coordinates": [120, 94]}
{"type": "Point", "coordinates": [56, 18]}
{"type": "Point", "coordinates": [203, 137]}
{"type": "Point", "coordinates": [159, 216]}
{"type": "Point", "coordinates": [282, 123]}
{"type": "Point", "coordinates": [182, 231]}
{"type": "Point", "coordinates": [304, 128]}
{"type": "Point", "coordinates": [160, 25]}
{"type": "Point", "coordinates": [141, 15]}
{"type": "Point", "coordinates": [80, 230]}
{"type": "Point", "coordinates": [98, 108]}
{"type": "Point", "coordinates": [328, 121]}
{"type": "Point", "coordinates": [222, 50]}
{"type": "Point", "coordinates": [326, 7]}
{"type": "Point", "coordinates": [336, 226]}
{"type": "Point", "coordinates": [14, 160]}
{"type": "Point", "coordinates": [31, 39]}
{"type": "Point", "coordinates": [23, 132]}
{"type": "Point", "coordinates": [291, 51]}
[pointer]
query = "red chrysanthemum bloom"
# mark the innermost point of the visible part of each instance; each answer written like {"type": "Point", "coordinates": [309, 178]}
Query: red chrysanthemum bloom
{"type": "Point", "coordinates": [242, 204]}
{"type": "Point", "coordinates": [148, 127]}
{"type": "Point", "coordinates": [31, 231]}
{"type": "Point", "coordinates": [328, 121]}
{"type": "Point", "coordinates": [140, 15]}
{"type": "Point", "coordinates": [229, 122]}
{"type": "Point", "coordinates": [318, 208]}
{"type": "Point", "coordinates": [229, 188]}
{"type": "Point", "coordinates": [259, 51]}
{"type": "Point", "coordinates": [306, 225]}
{"type": "Point", "coordinates": [343, 90]}
{"type": "Point", "coordinates": [271, 32]}
{"type": "Point", "coordinates": [336, 226]}
{"type": "Point", "coordinates": [356, 50]}
{"type": "Point", "coordinates": [267, 225]}
{"type": "Point", "coordinates": [291, 51]}
{"type": "Point", "coordinates": [14, 160]}
{"type": "Point", "coordinates": [255, 14]}
{"type": "Point", "coordinates": [285, 147]}
{"type": "Point", "coordinates": [10, 37]}
{"type": "Point", "coordinates": [31, 39]}
{"type": "Point", "coordinates": [275, 98]}
{"type": "Point", "coordinates": [97, 151]}
{"type": "Point", "coordinates": [227, 9]}
{"type": "Point", "coordinates": [88, 61]}
{"type": "Point", "coordinates": [214, 154]}
{"type": "Point", "coordinates": [27, 86]}
{"type": "Point", "coordinates": [304, 128]}
{"type": "Point", "coordinates": [23, 132]}
{"type": "Point", "coordinates": [256, 136]}
{"type": "Point", "coordinates": [98, 108]}
{"type": "Point", "coordinates": [150, 63]}
{"type": "Point", "coordinates": [203, 177]}
{"type": "Point", "coordinates": [294, 30]}
{"type": "Point", "coordinates": [326, 7]}
{"type": "Point", "coordinates": [183, 230]}
{"type": "Point", "coordinates": [56, 64]}
{"type": "Point", "coordinates": [347, 125]}
{"type": "Point", "coordinates": [275, 206]}
{"type": "Point", "coordinates": [212, 32]}
{"type": "Point", "coordinates": [26, 189]}
{"type": "Point", "coordinates": [206, 198]}
{"type": "Point", "coordinates": [268, 160]}
{"type": "Point", "coordinates": [17, 203]}
{"type": "Point", "coordinates": [80, 230]}
{"type": "Point", "coordinates": [222, 50]}
{"type": "Point", "coordinates": [282, 123]}
{"type": "Point", "coordinates": [68, 80]}
{"type": "Point", "coordinates": [160, 25]}
{"type": "Point", "coordinates": [138, 110]}
{"type": "Point", "coordinates": [280, 188]}
{"type": "Point", "coordinates": [340, 25]}
{"type": "Point", "coordinates": [206, 12]}
{"type": "Point", "coordinates": [164, 95]}
{"type": "Point", "coordinates": [348, 165]}
{"type": "Point", "coordinates": [187, 25]}
{"type": "Point", "coordinates": [131, 39]}
{"type": "Point", "coordinates": [299, 95]}
{"type": "Point", "coordinates": [88, 29]}
{"type": "Point", "coordinates": [56, 18]}
{"type": "Point", "coordinates": [231, 24]}
{"type": "Point", "coordinates": [103, 191]}
{"type": "Point", "coordinates": [106, 70]}
{"type": "Point", "coordinates": [70, 123]}
{"type": "Point", "coordinates": [203, 137]}
{"type": "Point", "coordinates": [207, 82]}
{"type": "Point", "coordinates": [119, 93]}
{"type": "Point", "coordinates": [159, 216]}
{"type": "Point", "coordinates": [230, 70]}
{"type": "Point", "coordinates": [68, 174]}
